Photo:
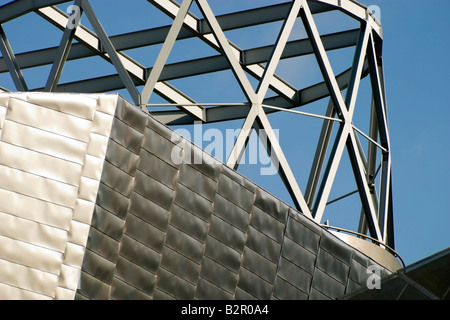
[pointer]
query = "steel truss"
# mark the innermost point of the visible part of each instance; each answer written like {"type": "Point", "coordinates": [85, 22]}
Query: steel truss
{"type": "Point", "coordinates": [376, 216]}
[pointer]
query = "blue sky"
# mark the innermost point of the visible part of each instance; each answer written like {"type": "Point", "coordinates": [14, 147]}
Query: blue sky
{"type": "Point", "coordinates": [415, 51]}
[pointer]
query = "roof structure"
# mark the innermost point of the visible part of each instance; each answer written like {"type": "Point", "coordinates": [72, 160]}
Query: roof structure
{"type": "Point", "coordinates": [259, 66]}
{"type": "Point", "coordinates": [256, 72]}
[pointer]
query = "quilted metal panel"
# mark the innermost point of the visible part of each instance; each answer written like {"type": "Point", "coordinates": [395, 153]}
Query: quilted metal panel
{"type": "Point", "coordinates": [178, 287]}
{"type": "Point", "coordinates": [197, 182]}
{"type": "Point", "coordinates": [327, 285]}
{"type": "Point", "coordinates": [267, 224]}
{"type": "Point", "coordinates": [227, 233]}
{"type": "Point", "coordinates": [235, 193]}
{"type": "Point", "coordinates": [189, 223]}
{"type": "Point", "coordinates": [193, 202]}
{"type": "Point", "coordinates": [134, 275]}
{"type": "Point", "coordinates": [301, 234]}
{"type": "Point", "coordinates": [127, 222]}
{"type": "Point", "coordinates": [149, 211]}
{"type": "Point", "coordinates": [139, 254]}
{"type": "Point", "coordinates": [254, 285]}
{"type": "Point", "coordinates": [158, 169]}
{"type": "Point", "coordinates": [222, 254]}
{"type": "Point", "coordinates": [218, 275]}
{"type": "Point", "coordinates": [332, 266]}
{"type": "Point", "coordinates": [295, 276]}
{"type": "Point", "coordinates": [208, 291]}
{"type": "Point", "coordinates": [231, 213]}
{"type": "Point", "coordinates": [51, 158]}
{"type": "Point", "coordinates": [259, 265]}
{"type": "Point", "coordinates": [184, 244]}
{"type": "Point", "coordinates": [284, 290]}
{"type": "Point", "coordinates": [264, 245]}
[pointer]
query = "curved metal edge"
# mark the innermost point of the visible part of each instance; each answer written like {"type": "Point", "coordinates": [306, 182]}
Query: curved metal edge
{"type": "Point", "coordinates": [366, 237]}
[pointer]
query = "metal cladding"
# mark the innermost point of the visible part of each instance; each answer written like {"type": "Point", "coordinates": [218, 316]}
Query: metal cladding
{"type": "Point", "coordinates": [93, 207]}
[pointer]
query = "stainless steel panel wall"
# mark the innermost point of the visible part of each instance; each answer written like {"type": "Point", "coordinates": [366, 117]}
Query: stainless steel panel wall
{"type": "Point", "coordinates": [93, 207]}
{"type": "Point", "coordinates": [163, 230]}
{"type": "Point", "coordinates": [52, 148]}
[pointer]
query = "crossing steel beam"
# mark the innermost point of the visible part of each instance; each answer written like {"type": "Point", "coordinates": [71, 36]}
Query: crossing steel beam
{"type": "Point", "coordinates": [248, 66]}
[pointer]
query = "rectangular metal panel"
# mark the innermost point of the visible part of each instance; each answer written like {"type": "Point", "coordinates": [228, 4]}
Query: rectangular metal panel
{"type": "Point", "coordinates": [144, 232]}
{"type": "Point", "coordinates": [17, 276]}
{"type": "Point", "coordinates": [159, 145]}
{"type": "Point", "coordinates": [207, 291]}
{"type": "Point", "coordinates": [336, 247]}
{"type": "Point", "coordinates": [136, 276]}
{"type": "Point", "coordinates": [173, 285]}
{"type": "Point", "coordinates": [29, 255]}
{"type": "Point", "coordinates": [157, 168]}
{"type": "Point", "coordinates": [121, 158]}
{"type": "Point", "coordinates": [124, 291]}
{"type": "Point", "coordinates": [218, 275]}
{"type": "Point", "coordinates": [189, 223]}
{"type": "Point", "coordinates": [43, 211]}
{"type": "Point", "coordinates": [303, 235]}
{"type": "Point", "coordinates": [327, 285]}
{"type": "Point", "coordinates": [91, 288]}
{"type": "Point", "coordinates": [107, 222]}
{"type": "Point", "coordinates": [51, 120]}
{"type": "Point", "coordinates": [180, 265]}
{"type": "Point", "coordinates": [227, 233]}
{"type": "Point", "coordinates": [112, 200]}
{"type": "Point", "coordinates": [98, 267]}
{"type": "Point", "coordinates": [184, 244]}
{"type": "Point", "coordinates": [268, 225]}
{"type": "Point", "coordinates": [231, 213]}
{"type": "Point", "coordinates": [259, 265]}
{"type": "Point", "coordinates": [197, 182]}
{"type": "Point", "coordinates": [332, 266]}
{"type": "Point", "coordinates": [235, 193]}
{"type": "Point", "coordinates": [126, 136]}
{"type": "Point", "coordinates": [132, 116]}
{"type": "Point", "coordinates": [193, 202]}
{"type": "Point", "coordinates": [153, 190]}
{"type": "Point", "coordinates": [117, 179]}
{"type": "Point", "coordinates": [297, 277]}
{"type": "Point", "coordinates": [264, 245]}
{"type": "Point", "coordinates": [254, 285]}
{"type": "Point", "coordinates": [268, 203]}
{"type": "Point", "coordinates": [149, 211]}
{"type": "Point", "coordinates": [298, 255]}
{"type": "Point", "coordinates": [44, 141]}
{"type": "Point", "coordinates": [284, 290]}
{"type": "Point", "coordinates": [103, 245]}
{"type": "Point", "coordinates": [222, 254]}
{"type": "Point", "coordinates": [139, 254]}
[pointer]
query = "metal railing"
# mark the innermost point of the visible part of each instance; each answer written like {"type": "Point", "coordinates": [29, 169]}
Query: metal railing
{"type": "Point", "coordinates": [366, 237]}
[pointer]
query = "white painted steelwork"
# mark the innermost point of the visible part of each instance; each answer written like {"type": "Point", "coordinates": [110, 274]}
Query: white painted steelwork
{"type": "Point", "coordinates": [377, 211]}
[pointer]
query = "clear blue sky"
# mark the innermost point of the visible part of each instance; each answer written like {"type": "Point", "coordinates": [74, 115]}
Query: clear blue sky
{"type": "Point", "coordinates": [416, 56]}
{"type": "Point", "coordinates": [416, 60]}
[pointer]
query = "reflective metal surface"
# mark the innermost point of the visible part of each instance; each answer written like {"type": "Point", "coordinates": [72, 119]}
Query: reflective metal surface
{"type": "Point", "coordinates": [52, 150]}
{"type": "Point", "coordinates": [300, 35]}
{"type": "Point", "coordinates": [104, 213]}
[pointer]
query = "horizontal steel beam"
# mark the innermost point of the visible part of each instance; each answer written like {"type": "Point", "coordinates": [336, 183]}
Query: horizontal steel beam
{"type": "Point", "coordinates": [222, 113]}
{"type": "Point", "coordinates": [16, 9]}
